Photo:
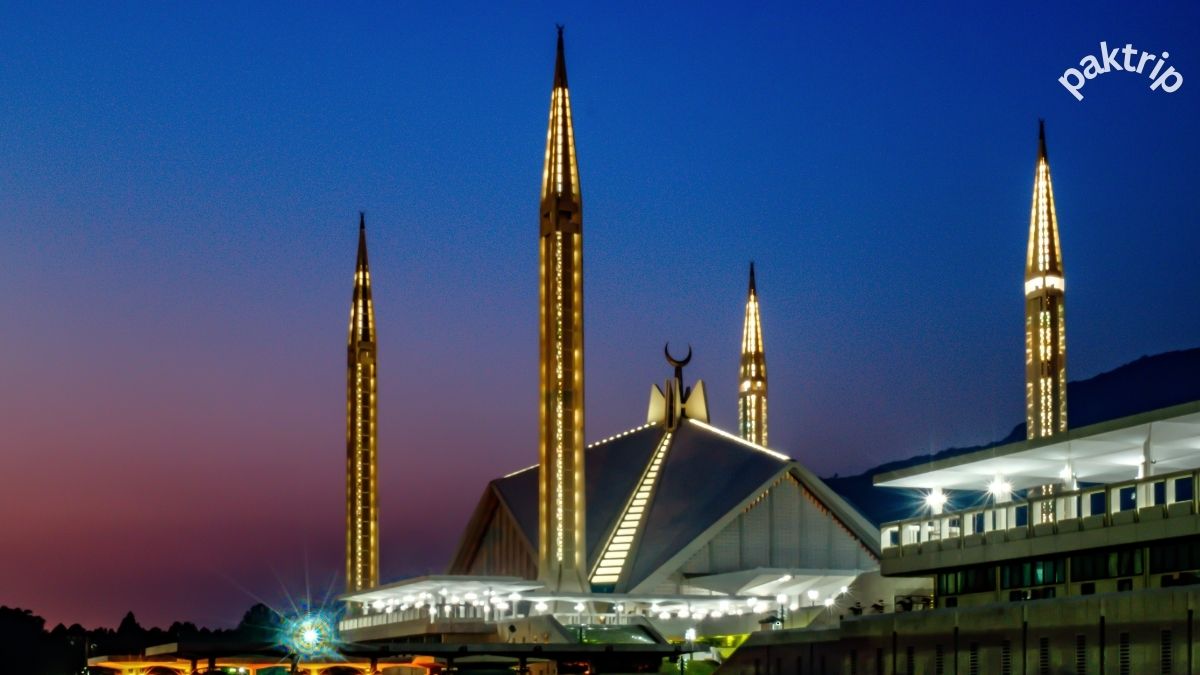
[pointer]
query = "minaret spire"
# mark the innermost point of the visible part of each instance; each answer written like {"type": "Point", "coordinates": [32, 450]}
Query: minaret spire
{"type": "Point", "coordinates": [1045, 329]}
{"type": "Point", "coordinates": [752, 373]}
{"type": "Point", "coordinates": [562, 551]}
{"type": "Point", "coordinates": [362, 516]}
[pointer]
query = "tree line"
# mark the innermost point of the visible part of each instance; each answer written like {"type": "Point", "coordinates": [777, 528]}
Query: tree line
{"type": "Point", "coordinates": [28, 648]}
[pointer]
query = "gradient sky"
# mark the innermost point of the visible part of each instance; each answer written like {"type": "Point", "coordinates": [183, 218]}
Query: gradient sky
{"type": "Point", "coordinates": [179, 188]}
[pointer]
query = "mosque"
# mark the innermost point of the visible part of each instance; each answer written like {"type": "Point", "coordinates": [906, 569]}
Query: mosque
{"type": "Point", "coordinates": [671, 524]}
{"type": "Point", "coordinates": [672, 533]}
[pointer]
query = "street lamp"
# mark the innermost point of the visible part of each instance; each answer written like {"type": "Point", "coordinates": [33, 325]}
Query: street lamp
{"type": "Point", "coordinates": [690, 636]}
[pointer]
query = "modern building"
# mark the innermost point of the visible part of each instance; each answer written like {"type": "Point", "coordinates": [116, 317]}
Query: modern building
{"type": "Point", "coordinates": [1110, 583]}
{"type": "Point", "coordinates": [362, 509]}
{"type": "Point", "coordinates": [677, 506]}
{"type": "Point", "coordinates": [690, 527]}
{"type": "Point", "coordinates": [669, 528]}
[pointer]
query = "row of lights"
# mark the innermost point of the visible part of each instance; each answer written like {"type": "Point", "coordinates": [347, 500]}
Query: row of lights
{"type": "Point", "coordinates": [623, 434]}
{"type": "Point", "coordinates": [501, 603]}
{"type": "Point", "coordinates": [422, 599]}
{"type": "Point", "coordinates": [998, 488]}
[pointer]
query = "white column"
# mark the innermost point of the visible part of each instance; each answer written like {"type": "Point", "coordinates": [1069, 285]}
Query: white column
{"type": "Point", "coordinates": [1145, 491]}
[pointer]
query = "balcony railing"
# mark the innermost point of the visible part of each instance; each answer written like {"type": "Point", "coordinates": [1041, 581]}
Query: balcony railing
{"type": "Point", "coordinates": [1157, 497]}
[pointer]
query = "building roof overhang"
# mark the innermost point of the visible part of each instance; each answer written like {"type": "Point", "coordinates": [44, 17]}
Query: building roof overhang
{"type": "Point", "coordinates": [1106, 452]}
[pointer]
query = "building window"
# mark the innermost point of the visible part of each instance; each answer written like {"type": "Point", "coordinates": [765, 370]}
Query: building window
{"type": "Point", "coordinates": [968, 580]}
{"type": "Point", "coordinates": [1175, 555]}
{"type": "Point", "coordinates": [1106, 564]}
{"type": "Point", "coordinates": [1039, 572]}
{"type": "Point", "coordinates": [1183, 489]}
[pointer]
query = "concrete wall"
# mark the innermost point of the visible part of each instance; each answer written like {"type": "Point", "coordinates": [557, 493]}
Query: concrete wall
{"type": "Point", "coordinates": [1148, 631]}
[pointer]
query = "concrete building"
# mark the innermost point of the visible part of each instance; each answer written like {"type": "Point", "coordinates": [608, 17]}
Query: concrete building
{"type": "Point", "coordinates": [1107, 583]}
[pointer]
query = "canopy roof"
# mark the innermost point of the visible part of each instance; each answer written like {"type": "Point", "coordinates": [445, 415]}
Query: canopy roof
{"type": "Point", "coordinates": [1107, 452]}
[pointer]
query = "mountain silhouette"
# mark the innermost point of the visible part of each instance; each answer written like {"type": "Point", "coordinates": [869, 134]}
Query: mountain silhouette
{"type": "Point", "coordinates": [1149, 383]}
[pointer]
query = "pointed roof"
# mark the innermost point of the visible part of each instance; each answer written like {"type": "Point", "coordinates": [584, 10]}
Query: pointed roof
{"type": "Point", "coordinates": [752, 342]}
{"type": "Point", "coordinates": [708, 476]}
{"type": "Point", "coordinates": [362, 309]}
{"type": "Point", "coordinates": [560, 63]}
{"type": "Point", "coordinates": [560, 173]}
{"type": "Point", "coordinates": [1044, 255]}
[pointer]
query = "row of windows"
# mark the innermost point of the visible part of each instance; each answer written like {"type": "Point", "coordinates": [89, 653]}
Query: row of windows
{"type": "Point", "coordinates": [1092, 565]}
{"type": "Point", "coordinates": [968, 580]}
{"type": "Point", "coordinates": [1024, 573]}
{"type": "Point", "coordinates": [1176, 555]}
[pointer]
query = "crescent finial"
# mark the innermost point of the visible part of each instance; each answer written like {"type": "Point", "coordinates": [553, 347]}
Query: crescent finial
{"type": "Point", "coordinates": [675, 362]}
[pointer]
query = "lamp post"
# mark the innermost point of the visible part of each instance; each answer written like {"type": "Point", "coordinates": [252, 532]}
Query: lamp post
{"type": "Point", "coordinates": [690, 636]}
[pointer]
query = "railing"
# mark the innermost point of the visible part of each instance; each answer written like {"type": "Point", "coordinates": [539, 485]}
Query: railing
{"type": "Point", "coordinates": [1153, 498]}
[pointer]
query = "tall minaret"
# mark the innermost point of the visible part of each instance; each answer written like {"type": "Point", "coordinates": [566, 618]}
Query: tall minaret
{"type": "Point", "coordinates": [362, 516]}
{"type": "Point", "coordinates": [1045, 336]}
{"type": "Point", "coordinates": [752, 374]}
{"type": "Point", "coordinates": [562, 564]}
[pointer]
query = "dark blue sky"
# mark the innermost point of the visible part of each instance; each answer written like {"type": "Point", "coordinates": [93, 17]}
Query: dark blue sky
{"type": "Point", "coordinates": [179, 187]}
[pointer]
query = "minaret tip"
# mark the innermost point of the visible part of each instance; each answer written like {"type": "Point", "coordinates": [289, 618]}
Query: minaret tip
{"type": "Point", "coordinates": [362, 220]}
{"type": "Point", "coordinates": [560, 61]}
{"type": "Point", "coordinates": [1041, 138]}
{"type": "Point", "coordinates": [752, 287]}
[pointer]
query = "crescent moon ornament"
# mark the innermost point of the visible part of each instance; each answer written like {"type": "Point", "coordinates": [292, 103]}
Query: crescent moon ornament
{"type": "Point", "coordinates": [674, 362]}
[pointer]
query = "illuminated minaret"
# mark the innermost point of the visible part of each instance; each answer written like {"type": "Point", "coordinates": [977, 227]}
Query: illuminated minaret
{"type": "Point", "coordinates": [1045, 336]}
{"type": "Point", "coordinates": [561, 549]}
{"type": "Point", "coordinates": [752, 374]}
{"type": "Point", "coordinates": [362, 516]}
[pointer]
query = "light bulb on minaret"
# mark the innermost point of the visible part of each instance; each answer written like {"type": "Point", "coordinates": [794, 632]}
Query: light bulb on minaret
{"type": "Point", "coordinates": [561, 514]}
{"type": "Point", "coordinates": [362, 517]}
{"type": "Point", "coordinates": [752, 374]}
{"type": "Point", "coordinates": [1045, 330]}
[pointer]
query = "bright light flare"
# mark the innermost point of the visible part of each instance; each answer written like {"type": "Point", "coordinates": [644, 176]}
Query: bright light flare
{"type": "Point", "coordinates": [935, 499]}
{"type": "Point", "coordinates": [999, 487]}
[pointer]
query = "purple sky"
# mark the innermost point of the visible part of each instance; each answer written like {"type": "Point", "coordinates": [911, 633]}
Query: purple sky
{"type": "Point", "coordinates": [179, 188]}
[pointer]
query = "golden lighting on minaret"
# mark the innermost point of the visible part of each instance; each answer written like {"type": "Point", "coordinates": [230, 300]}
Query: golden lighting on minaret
{"type": "Point", "coordinates": [1045, 330]}
{"type": "Point", "coordinates": [752, 374]}
{"type": "Point", "coordinates": [561, 543]}
{"type": "Point", "coordinates": [362, 516]}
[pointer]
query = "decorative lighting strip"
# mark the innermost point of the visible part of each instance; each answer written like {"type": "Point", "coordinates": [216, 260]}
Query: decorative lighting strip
{"type": "Point", "coordinates": [748, 444]}
{"type": "Point", "coordinates": [620, 542]}
{"type": "Point", "coordinates": [623, 434]}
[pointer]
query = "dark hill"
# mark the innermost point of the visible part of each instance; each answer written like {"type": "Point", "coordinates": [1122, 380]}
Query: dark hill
{"type": "Point", "coordinates": [1148, 383]}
